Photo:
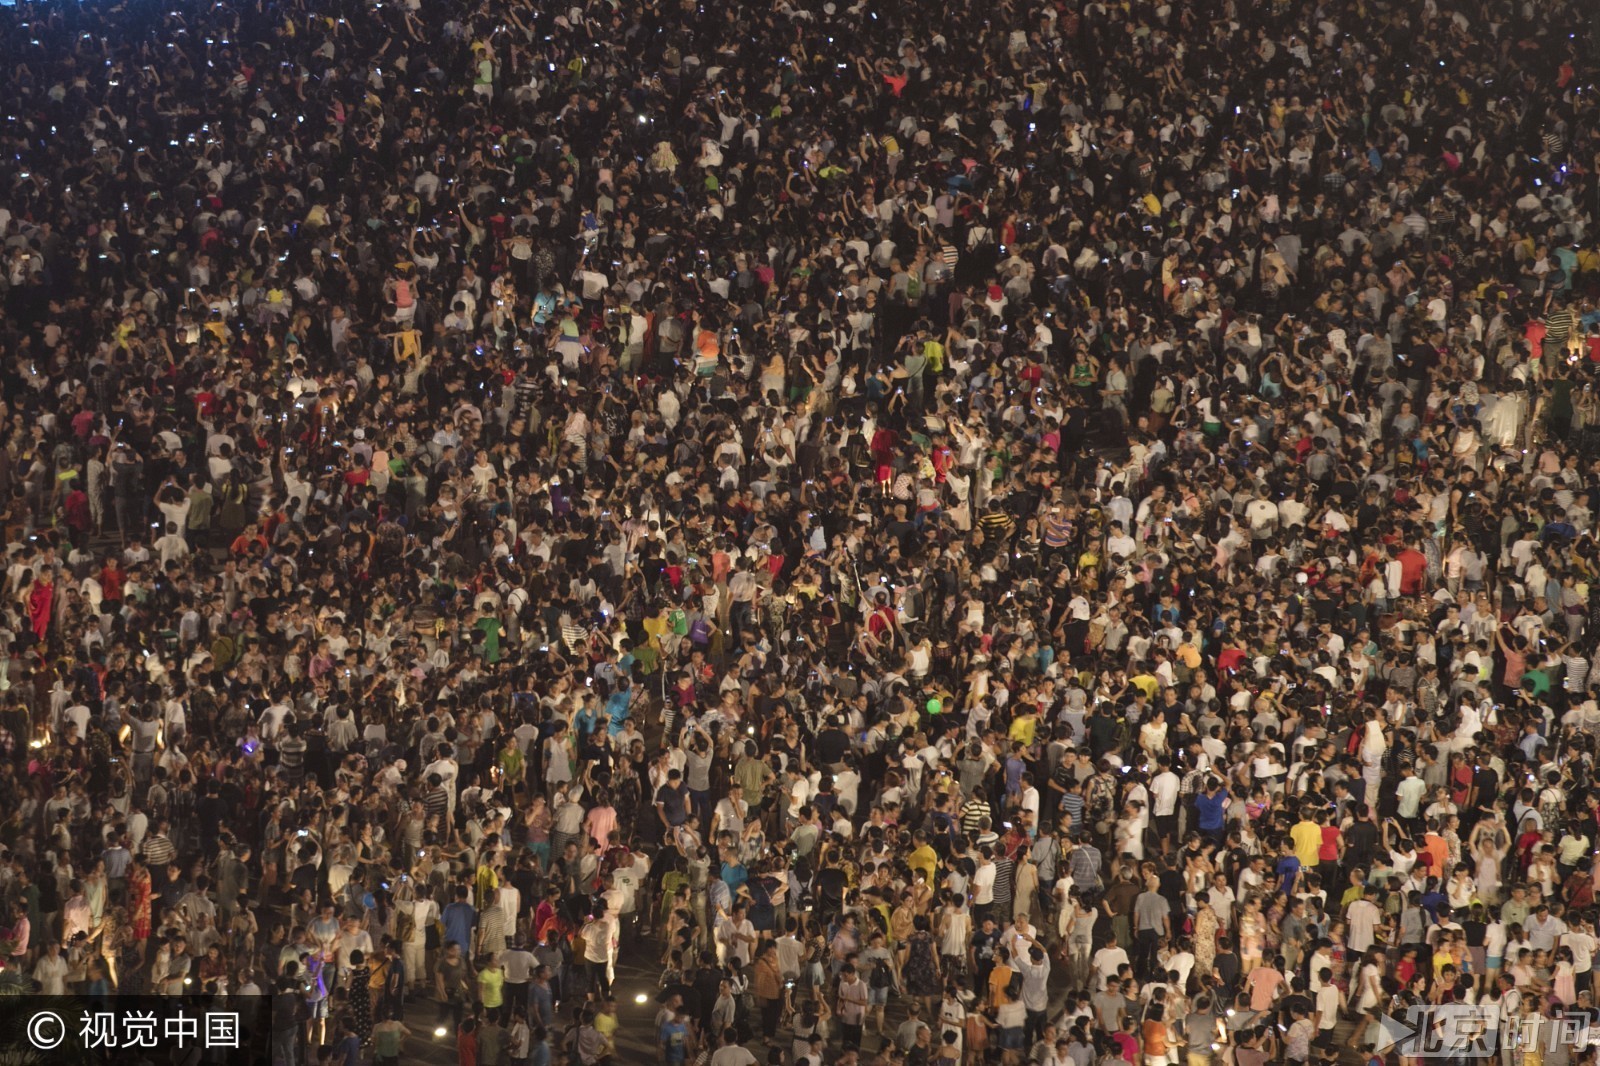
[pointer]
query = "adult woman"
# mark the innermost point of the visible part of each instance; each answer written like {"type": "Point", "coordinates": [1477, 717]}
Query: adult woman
{"type": "Point", "coordinates": [919, 963]}
{"type": "Point", "coordinates": [1488, 844]}
{"type": "Point", "coordinates": [767, 984]}
{"type": "Point", "coordinates": [1205, 934]}
{"type": "Point", "coordinates": [1461, 889]}
{"type": "Point", "coordinates": [1158, 1036]}
{"type": "Point", "coordinates": [537, 821]}
{"type": "Point", "coordinates": [94, 894]}
{"type": "Point", "coordinates": [955, 927]}
{"type": "Point", "coordinates": [1252, 936]}
{"type": "Point", "coordinates": [139, 901]}
{"type": "Point", "coordinates": [1153, 737]}
{"type": "Point", "coordinates": [1368, 990]}
{"type": "Point", "coordinates": [1079, 937]}
{"type": "Point", "coordinates": [952, 1017]}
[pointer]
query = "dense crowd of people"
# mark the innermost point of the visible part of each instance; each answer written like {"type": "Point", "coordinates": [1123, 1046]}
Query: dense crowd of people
{"type": "Point", "coordinates": [1054, 533]}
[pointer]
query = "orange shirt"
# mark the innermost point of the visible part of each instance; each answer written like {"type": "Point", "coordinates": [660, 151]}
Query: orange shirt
{"type": "Point", "coordinates": [1155, 1038]}
{"type": "Point", "coordinates": [1437, 851]}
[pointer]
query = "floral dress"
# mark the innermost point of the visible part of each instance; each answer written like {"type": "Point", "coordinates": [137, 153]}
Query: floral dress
{"type": "Point", "coordinates": [139, 903]}
{"type": "Point", "coordinates": [361, 1005]}
{"type": "Point", "coordinates": [1205, 940]}
{"type": "Point", "coordinates": [921, 969]}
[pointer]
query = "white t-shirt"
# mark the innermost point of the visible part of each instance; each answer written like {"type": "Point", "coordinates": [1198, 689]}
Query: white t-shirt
{"type": "Point", "coordinates": [424, 912]}
{"type": "Point", "coordinates": [1328, 1007]}
{"type": "Point", "coordinates": [1364, 918]}
{"type": "Point", "coordinates": [1106, 963]}
{"type": "Point", "coordinates": [732, 1055]}
{"type": "Point", "coordinates": [1582, 947]}
{"type": "Point", "coordinates": [983, 885]}
{"type": "Point", "coordinates": [1164, 794]}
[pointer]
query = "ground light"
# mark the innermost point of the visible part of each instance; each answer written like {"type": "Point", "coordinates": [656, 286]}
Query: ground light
{"type": "Point", "coordinates": [641, 999]}
{"type": "Point", "coordinates": [441, 1032]}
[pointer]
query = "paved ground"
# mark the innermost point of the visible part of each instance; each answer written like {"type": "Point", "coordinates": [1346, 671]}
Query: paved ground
{"type": "Point", "coordinates": [635, 1034]}
{"type": "Point", "coordinates": [637, 974]}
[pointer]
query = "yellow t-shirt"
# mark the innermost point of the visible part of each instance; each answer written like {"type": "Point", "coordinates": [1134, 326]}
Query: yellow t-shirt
{"type": "Point", "coordinates": [924, 861]}
{"type": "Point", "coordinates": [491, 987]}
{"type": "Point", "coordinates": [1307, 837]}
{"type": "Point", "coordinates": [1023, 728]}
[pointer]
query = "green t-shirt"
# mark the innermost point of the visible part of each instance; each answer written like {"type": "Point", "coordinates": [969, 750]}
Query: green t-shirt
{"type": "Point", "coordinates": [491, 628]}
{"type": "Point", "coordinates": [387, 1040]}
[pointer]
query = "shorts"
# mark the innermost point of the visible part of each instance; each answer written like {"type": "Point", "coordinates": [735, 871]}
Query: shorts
{"type": "Point", "coordinates": [1166, 826]}
{"type": "Point", "coordinates": [318, 1009]}
{"type": "Point", "coordinates": [877, 996]}
{"type": "Point", "coordinates": [1011, 1039]}
{"type": "Point", "coordinates": [1492, 962]}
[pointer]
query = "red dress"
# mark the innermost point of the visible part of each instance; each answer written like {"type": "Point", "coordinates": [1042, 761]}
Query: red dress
{"type": "Point", "coordinates": [41, 603]}
{"type": "Point", "coordinates": [139, 903]}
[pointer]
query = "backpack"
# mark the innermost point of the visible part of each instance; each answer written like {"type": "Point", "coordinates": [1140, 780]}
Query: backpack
{"type": "Point", "coordinates": [405, 924]}
{"type": "Point", "coordinates": [1579, 890]}
{"type": "Point", "coordinates": [881, 977]}
{"type": "Point", "coordinates": [1014, 986]}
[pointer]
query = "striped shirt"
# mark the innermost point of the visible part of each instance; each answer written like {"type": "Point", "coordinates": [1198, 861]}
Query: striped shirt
{"type": "Point", "coordinates": [1084, 866]}
{"type": "Point", "coordinates": [1072, 805]}
{"type": "Point", "coordinates": [998, 524]}
{"type": "Point", "coordinates": [1005, 881]}
{"type": "Point", "coordinates": [573, 635]}
{"type": "Point", "coordinates": [1559, 326]}
{"type": "Point", "coordinates": [158, 850]}
{"type": "Point", "coordinates": [973, 813]}
{"type": "Point", "coordinates": [1577, 672]}
{"type": "Point", "coordinates": [1057, 532]}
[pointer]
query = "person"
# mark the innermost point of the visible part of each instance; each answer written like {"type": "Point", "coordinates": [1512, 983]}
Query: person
{"type": "Point", "coordinates": [674, 1040]}
{"type": "Point", "coordinates": [452, 983]}
{"type": "Point", "coordinates": [730, 1052]}
{"type": "Point", "coordinates": [600, 943]}
{"type": "Point", "coordinates": [854, 998]}
{"type": "Point", "coordinates": [389, 1035]}
{"type": "Point", "coordinates": [288, 1017]}
{"type": "Point", "coordinates": [767, 986]}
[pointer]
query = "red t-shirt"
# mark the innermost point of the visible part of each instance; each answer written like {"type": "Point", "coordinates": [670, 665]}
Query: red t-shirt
{"type": "Point", "coordinates": [1412, 566]}
{"type": "Point", "coordinates": [1329, 849]}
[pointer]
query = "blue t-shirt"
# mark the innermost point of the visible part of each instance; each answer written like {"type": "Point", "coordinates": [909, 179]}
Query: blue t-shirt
{"type": "Point", "coordinates": [1288, 870]}
{"type": "Point", "coordinates": [459, 919]}
{"type": "Point", "coordinates": [1014, 768]}
{"type": "Point", "coordinates": [348, 1049]}
{"type": "Point", "coordinates": [674, 1041]}
{"type": "Point", "coordinates": [674, 803]}
{"type": "Point", "coordinates": [585, 720]}
{"type": "Point", "coordinates": [733, 875]}
{"type": "Point", "coordinates": [1210, 810]}
{"type": "Point", "coordinates": [617, 710]}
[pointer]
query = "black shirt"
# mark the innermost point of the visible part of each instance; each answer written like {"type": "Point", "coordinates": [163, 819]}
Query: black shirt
{"type": "Point", "coordinates": [1361, 843]}
{"type": "Point", "coordinates": [832, 744]}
